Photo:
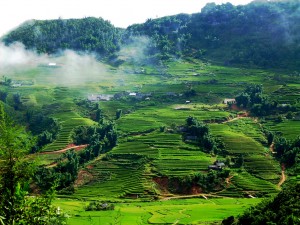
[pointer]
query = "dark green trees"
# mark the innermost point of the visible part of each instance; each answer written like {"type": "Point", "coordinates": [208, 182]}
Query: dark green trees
{"type": "Point", "coordinates": [14, 171]}
{"type": "Point", "coordinates": [200, 132]}
{"type": "Point", "coordinates": [50, 36]}
{"type": "Point", "coordinates": [284, 209]}
{"type": "Point", "coordinates": [16, 207]}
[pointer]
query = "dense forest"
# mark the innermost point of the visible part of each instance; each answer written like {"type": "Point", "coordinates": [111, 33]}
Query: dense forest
{"type": "Point", "coordinates": [51, 36]}
{"type": "Point", "coordinates": [283, 209]}
{"type": "Point", "coordinates": [262, 33]}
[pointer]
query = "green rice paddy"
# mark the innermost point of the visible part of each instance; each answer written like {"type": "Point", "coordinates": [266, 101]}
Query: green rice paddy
{"type": "Point", "coordinates": [150, 144]}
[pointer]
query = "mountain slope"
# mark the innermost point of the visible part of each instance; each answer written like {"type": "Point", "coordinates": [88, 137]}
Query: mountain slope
{"type": "Point", "coordinates": [262, 33]}
{"type": "Point", "coordinates": [49, 36]}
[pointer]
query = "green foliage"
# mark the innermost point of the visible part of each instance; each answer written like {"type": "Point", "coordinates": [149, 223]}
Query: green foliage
{"type": "Point", "coordinates": [63, 174]}
{"type": "Point", "coordinates": [260, 104]}
{"type": "Point", "coordinates": [253, 34]}
{"type": "Point", "coordinates": [101, 138]}
{"type": "Point", "coordinates": [46, 128]}
{"type": "Point", "coordinates": [203, 136]}
{"type": "Point", "coordinates": [231, 34]}
{"type": "Point", "coordinates": [283, 209]}
{"type": "Point", "coordinates": [15, 172]}
{"type": "Point", "coordinates": [118, 113]}
{"type": "Point", "coordinates": [6, 81]}
{"type": "Point", "coordinates": [168, 36]}
{"type": "Point", "coordinates": [17, 102]}
{"type": "Point", "coordinates": [3, 95]}
{"type": "Point", "coordinates": [288, 152]}
{"type": "Point", "coordinates": [16, 207]}
{"type": "Point", "coordinates": [99, 206]}
{"type": "Point", "coordinates": [211, 181]}
{"type": "Point", "coordinates": [50, 36]}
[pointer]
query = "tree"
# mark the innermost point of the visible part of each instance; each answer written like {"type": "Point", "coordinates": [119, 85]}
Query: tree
{"type": "Point", "coordinates": [118, 114]}
{"type": "Point", "coordinates": [15, 174]}
{"type": "Point", "coordinates": [284, 209]}
{"type": "Point", "coordinates": [3, 96]}
{"type": "Point", "coordinates": [243, 100]}
{"type": "Point", "coordinates": [17, 101]}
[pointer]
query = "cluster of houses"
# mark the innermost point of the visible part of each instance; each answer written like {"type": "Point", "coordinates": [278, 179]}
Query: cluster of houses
{"type": "Point", "coordinates": [100, 97]}
{"type": "Point", "coordinates": [139, 95]}
{"type": "Point", "coordinates": [108, 97]}
{"type": "Point", "coordinates": [17, 83]}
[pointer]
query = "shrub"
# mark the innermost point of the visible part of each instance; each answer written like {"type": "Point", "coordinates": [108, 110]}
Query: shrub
{"type": "Point", "coordinates": [99, 206]}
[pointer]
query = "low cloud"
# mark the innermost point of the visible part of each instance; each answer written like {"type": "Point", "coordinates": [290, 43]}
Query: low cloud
{"type": "Point", "coordinates": [69, 68]}
{"type": "Point", "coordinates": [136, 50]}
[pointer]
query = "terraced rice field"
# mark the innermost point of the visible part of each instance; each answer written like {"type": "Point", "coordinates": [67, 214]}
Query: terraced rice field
{"type": "Point", "coordinates": [235, 141]}
{"type": "Point", "coordinates": [288, 128]}
{"type": "Point", "coordinates": [249, 183]}
{"type": "Point", "coordinates": [152, 118]}
{"type": "Point", "coordinates": [171, 155]}
{"type": "Point", "coordinates": [115, 179]}
{"type": "Point", "coordinates": [69, 120]}
{"type": "Point", "coordinates": [287, 94]}
{"type": "Point", "coordinates": [263, 166]}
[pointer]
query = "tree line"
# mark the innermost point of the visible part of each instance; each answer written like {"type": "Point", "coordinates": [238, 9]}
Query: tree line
{"type": "Point", "coordinates": [262, 33]}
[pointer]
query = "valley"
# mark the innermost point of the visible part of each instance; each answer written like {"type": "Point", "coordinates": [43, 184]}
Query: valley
{"type": "Point", "coordinates": [151, 161]}
{"type": "Point", "coordinates": [183, 119]}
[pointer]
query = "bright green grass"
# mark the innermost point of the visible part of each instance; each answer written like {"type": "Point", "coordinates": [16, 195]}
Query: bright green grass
{"type": "Point", "coordinates": [289, 128]}
{"type": "Point", "coordinates": [244, 136]}
{"type": "Point", "coordinates": [172, 157]}
{"type": "Point", "coordinates": [169, 155]}
{"type": "Point", "coordinates": [46, 159]}
{"type": "Point", "coordinates": [263, 166]}
{"type": "Point", "coordinates": [287, 94]}
{"type": "Point", "coordinates": [247, 182]}
{"type": "Point", "coordinates": [115, 179]}
{"type": "Point", "coordinates": [188, 211]}
{"type": "Point", "coordinates": [235, 141]}
{"type": "Point", "coordinates": [248, 127]}
{"type": "Point", "coordinates": [69, 120]}
{"type": "Point", "coordinates": [155, 117]}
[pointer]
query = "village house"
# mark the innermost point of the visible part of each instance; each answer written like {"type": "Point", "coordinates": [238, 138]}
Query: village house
{"type": "Point", "coordinates": [132, 94]}
{"type": "Point", "coordinates": [139, 95]}
{"type": "Point", "coordinates": [229, 101]}
{"type": "Point", "coordinates": [218, 165]}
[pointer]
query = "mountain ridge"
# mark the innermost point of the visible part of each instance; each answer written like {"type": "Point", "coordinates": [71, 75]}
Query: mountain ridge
{"type": "Point", "coordinates": [261, 33]}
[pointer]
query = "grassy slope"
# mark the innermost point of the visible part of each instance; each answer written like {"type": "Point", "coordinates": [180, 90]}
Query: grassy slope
{"type": "Point", "coordinates": [188, 211]}
{"type": "Point", "coordinates": [169, 156]}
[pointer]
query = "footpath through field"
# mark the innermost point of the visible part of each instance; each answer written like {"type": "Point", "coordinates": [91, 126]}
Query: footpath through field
{"type": "Point", "coordinates": [75, 147]}
{"type": "Point", "coordinates": [283, 177]}
{"type": "Point", "coordinates": [193, 196]}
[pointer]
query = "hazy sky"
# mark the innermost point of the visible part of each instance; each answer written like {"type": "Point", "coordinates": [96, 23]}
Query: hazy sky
{"type": "Point", "coordinates": [121, 13]}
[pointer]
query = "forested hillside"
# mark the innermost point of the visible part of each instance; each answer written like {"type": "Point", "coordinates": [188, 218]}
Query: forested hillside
{"type": "Point", "coordinates": [49, 36]}
{"type": "Point", "coordinates": [283, 209]}
{"type": "Point", "coordinates": [262, 33]}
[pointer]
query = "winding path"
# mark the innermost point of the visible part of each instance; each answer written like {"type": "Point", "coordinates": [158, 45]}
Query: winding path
{"type": "Point", "coordinates": [75, 147]}
{"type": "Point", "coordinates": [283, 177]}
{"type": "Point", "coordinates": [193, 196]}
